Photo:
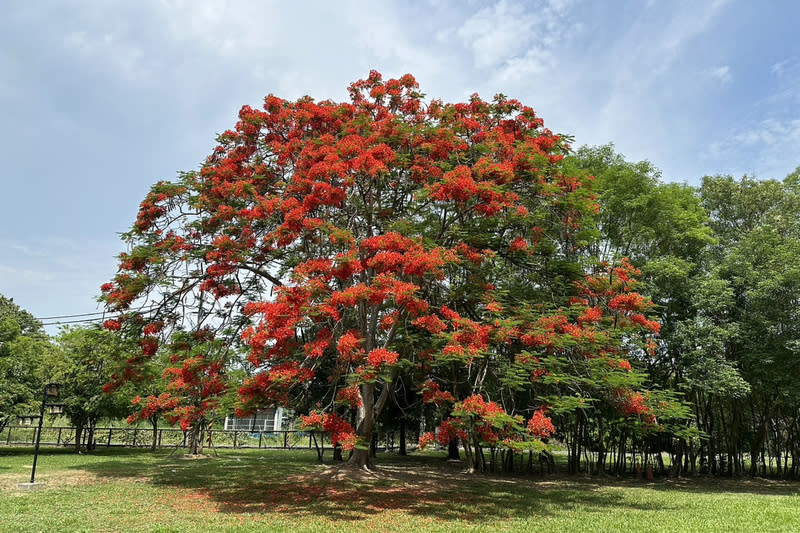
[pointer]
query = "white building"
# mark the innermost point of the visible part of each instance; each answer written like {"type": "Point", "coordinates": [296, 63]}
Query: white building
{"type": "Point", "coordinates": [264, 420]}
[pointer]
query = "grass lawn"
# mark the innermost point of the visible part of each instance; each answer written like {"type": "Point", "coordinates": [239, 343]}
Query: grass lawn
{"type": "Point", "coordinates": [275, 490]}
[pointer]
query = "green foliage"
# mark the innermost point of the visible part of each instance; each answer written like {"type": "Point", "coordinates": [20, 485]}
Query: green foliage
{"type": "Point", "coordinates": [82, 362]}
{"type": "Point", "coordinates": [23, 345]}
{"type": "Point", "coordinates": [640, 217]}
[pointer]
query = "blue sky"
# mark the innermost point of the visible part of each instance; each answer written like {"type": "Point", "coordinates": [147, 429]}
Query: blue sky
{"type": "Point", "coordinates": [100, 99]}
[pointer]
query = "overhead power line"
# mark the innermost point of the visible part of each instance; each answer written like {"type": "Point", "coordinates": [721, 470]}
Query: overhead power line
{"type": "Point", "coordinates": [84, 321]}
{"type": "Point", "coordinates": [98, 315]}
{"type": "Point", "coordinates": [69, 316]}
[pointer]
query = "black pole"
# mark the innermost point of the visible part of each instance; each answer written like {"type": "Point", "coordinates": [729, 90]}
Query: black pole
{"type": "Point", "coordinates": [39, 434]}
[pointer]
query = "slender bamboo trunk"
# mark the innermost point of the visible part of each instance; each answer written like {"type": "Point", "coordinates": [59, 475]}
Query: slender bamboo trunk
{"type": "Point", "coordinates": [403, 437]}
{"type": "Point", "coordinates": [154, 424]}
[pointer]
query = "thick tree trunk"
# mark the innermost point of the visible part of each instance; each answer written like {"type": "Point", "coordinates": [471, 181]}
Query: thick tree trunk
{"type": "Point", "coordinates": [471, 459]}
{"type": "Point", "coordinates": [452, 450]}
{"type": "Point", "coordinates": [365, 425]}
{"type": "Point", "coordinates": [196, 440]}
{"type": "Point", "coordinates": [360, 458]}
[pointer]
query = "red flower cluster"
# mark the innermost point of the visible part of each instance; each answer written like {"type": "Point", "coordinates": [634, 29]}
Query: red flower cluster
{"type": "Point", "coordinates": [450, 429]}
{"type": "Point", "coordinates": [382, 356]}
{"type": "Point", "coordinates": [540, 425]}
{"type": "Point", "coordinates": [631, 403]}
{"type": "Point", "coordinates": [432, 393]}
{"type": "Point", "coordinates": [426, 439]}
{"type": "Point", "coordinates": [349, 396]}
{"type": "Point", "coordinates": [154, 407]}
{"type": "Point", "coordinates": [476, 405]}
{"type": "Point", "coordinates": [340, 431]}
{"type": "Point", "coordinates": [349, 347]}
{"type": "Point", "coordinates": [627, 302]}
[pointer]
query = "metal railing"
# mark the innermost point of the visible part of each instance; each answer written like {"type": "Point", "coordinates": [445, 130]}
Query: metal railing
{"type": "Point", "coordinates": [142, 437]}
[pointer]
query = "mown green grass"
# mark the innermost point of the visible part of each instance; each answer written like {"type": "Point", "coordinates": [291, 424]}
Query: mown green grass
{"type": "Point", "coordinates": [275, 490]}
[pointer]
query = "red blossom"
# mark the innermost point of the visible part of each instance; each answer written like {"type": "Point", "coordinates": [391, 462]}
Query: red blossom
{"type": "Point", "coordinates": [627, 302]}
{"type": "Point", "coordinates": [376, 358]}
{"type": "Point", "coordinates": [426, 439]}
{"type": "Point", "coordinates": [432, 393]}
{"type": "Point", "coordinates": [518, 244]}
{"type": "Point", "coordinates": [431, 323]}
{"type": "Point", "coordinates": [112, 325]}
{"type": "Point", "coordinates": [540, 425]}
{"type": "Point", "coordinates": [152, 328]}
{"type": "Point", "coordinates": [349, 396]}
{"type": "Point", "coordinates": [149, 345]}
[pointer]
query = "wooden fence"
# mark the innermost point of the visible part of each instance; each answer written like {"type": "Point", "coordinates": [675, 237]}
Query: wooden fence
{"type": "Point", "coordinates": [142, 437]}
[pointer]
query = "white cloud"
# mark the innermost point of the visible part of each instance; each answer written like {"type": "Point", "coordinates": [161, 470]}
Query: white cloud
{"type": "Point", "coordinates": [176, 71]}
{"type": "Point", "coordinates": [515, 37]}
{"type": "Point", "coordinates": [790, 65]}
{"type": "Point", "coordinates": [767, 149]}
{"type": "Point", "coordinates": [496, 34]}
{"type": "Point", "coordinates": [57, 275]}
{"type": "Point", "coordinates": [16, 277]}
{"type": "Point", "coordinates": [721, 74]}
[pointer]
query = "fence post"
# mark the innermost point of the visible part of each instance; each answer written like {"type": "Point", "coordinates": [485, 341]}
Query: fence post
{"type": "Point", "coordinates": [108, 444]}
{"type": "Point", "coordinates": [160, 432]}
{"type": "Point", "coordinates": [235, 434]}
{"type": "Point", "coordinates": [8, 437]}
{"type": "Point", "coordinates": [260, 437]}
{"type": "Point", "coordinates": [285, 439]}
{"type": "Point", "coordinates": [135, 431]}
{"type": "Point", "coordinates": [58, 439]}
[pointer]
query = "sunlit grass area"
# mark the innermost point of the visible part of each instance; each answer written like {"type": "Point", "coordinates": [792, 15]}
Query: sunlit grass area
{"type": "Point", "coordinates": [276, 490]}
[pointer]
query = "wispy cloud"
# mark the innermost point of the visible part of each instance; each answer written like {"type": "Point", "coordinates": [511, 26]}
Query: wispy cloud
{"type": "Point", "coordinates": [57, 275]}
{"type": "Point", "coordinates": [766, 149]}
{"type": "Point", "coordinates": [790, 65]}
{"type": "Point", "coordinates": [721, 74]}
{"type": "Point", "coordinates": [514, 37]}
{"type": "Point", "coordinates": [121, 94]}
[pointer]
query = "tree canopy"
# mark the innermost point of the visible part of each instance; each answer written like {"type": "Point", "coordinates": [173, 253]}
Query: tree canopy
{"type": "Point", "coordinates": [23, 345]}
{"type": "Point", "coordinates": [346, 246]}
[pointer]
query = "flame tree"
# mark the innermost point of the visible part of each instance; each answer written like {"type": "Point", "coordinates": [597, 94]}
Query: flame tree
{"type": "Point", "coordinates": [345, 244]}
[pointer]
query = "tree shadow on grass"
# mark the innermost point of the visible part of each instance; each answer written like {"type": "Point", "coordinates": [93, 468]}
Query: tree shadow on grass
{"type": "Point", "coordinates": [741, 485]}
{"type": "Point", "coordinates": [13, 451]}
{"type": "Point", "coordinates": [293, 483]}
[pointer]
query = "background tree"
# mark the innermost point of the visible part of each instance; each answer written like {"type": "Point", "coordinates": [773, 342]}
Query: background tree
{"type": "Point", "coordinates": [717, 263]}
{"type": "Point", "coordinates": [82, 361]}
{"type": "Point", "coordinates": [665, 231]}
{"type": "Point", "coordinates": [757, 224]}
{"type": "Point", "coordinates": [23, 346]}
{"type": "Point", "coordinates": [183, 383]}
